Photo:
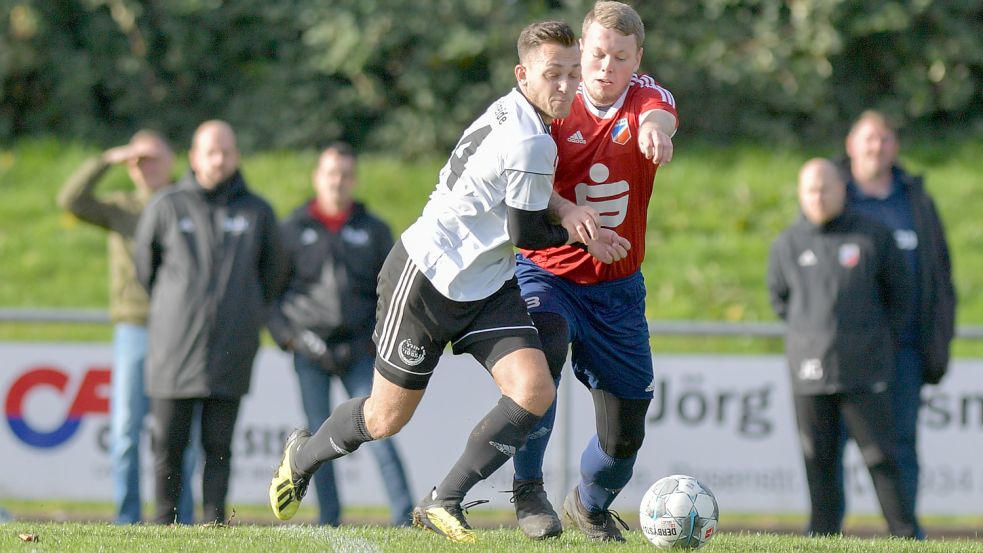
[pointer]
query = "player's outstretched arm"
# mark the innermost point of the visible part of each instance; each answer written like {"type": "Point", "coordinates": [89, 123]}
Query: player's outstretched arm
{"type": "Point", "coordinates": [655, 131]}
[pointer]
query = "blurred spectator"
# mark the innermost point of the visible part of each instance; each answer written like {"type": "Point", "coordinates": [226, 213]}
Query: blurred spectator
{"type": "Point", "coordinates": [149, 161]}
{"type": "Point", "coordinates": [207, 252]}
{"type": "Point", "coordinates": [877, 186]}
{"type": "Point", "coordinates": [839, 280]}
{"type": "Point", "coordinates": [326, 315]}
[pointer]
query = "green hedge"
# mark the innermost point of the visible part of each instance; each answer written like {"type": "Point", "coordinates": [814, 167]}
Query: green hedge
{"type": "Point", "coordinates": [406, 76]}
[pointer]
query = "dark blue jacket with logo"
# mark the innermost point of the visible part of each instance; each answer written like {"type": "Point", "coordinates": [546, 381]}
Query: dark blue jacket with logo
{"type": "Point", "coordinates": [845, 293]}
{"type": "Point", "coordinates": [332, 279]}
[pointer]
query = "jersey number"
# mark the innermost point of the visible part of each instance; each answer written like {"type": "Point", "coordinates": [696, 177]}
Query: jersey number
{"type": "Point", "coordinates": [467, 146]}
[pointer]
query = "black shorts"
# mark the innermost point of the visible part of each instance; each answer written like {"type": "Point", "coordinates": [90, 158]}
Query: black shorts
{"type": "Point", "coordinates": [415, 322]}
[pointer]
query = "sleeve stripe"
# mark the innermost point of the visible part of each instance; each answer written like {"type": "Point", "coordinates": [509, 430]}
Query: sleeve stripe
{"type": "Point", "coordinates": [647, 81]}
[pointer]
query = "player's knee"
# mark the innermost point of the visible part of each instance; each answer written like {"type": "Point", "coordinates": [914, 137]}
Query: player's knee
{"type": "Point", "coordinates": [622, 446]}
{"type": "Point", "coordinates": [554, 334]}
{"type": "Point", "coordinates": [384, 422]}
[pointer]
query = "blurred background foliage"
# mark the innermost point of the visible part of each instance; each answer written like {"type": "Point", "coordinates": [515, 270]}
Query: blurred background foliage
{"type": "Point", "coordinates": [405, 76]}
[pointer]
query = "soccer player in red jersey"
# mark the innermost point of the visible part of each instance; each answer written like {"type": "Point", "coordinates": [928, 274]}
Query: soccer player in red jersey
{"type": "Point", "coordinates": [611, 144]}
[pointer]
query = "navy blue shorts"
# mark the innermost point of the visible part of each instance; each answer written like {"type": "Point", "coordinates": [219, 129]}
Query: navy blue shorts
{"type": "Point", "coordinates": [609, 333]}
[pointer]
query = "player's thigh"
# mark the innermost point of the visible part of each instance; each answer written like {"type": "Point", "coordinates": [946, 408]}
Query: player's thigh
{"type": "Point", "coordinates": [414, 322]}
{"type": "Point", "coordinates": [502, 337]}
{"type": "Point", "coordinates": [611, 350]}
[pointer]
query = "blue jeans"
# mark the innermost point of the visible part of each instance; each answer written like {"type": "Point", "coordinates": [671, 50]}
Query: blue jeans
{"type": "Point", "coordinates": [907, 399]}
{"type": "Point", "coordinates": [128, 405]}
{"type": "Point", "coordinates": [315, 393]}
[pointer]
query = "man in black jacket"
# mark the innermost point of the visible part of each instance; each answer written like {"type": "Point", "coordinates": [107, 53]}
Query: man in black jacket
{"type": "Point", "coordinates": [326, 315]}
{"type": "Point", "coordinates": [839, 281]}
{"type": "Point", "coordinates": [877, 186]}
{"type": "Point", "coordinates": [206, 250]}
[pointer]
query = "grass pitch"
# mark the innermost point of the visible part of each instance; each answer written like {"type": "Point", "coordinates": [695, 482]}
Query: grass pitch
{"type": "Point", "coordinates": [88, 537]}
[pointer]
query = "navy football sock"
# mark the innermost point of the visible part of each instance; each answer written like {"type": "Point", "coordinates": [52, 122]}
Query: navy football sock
{"type": "Point", "coordinates": [528, 461]}
{"type": "Point", "coordinates": [602, 477]}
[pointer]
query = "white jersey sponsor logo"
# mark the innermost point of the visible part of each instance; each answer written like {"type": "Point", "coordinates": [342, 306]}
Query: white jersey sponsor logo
{"type": "Point", "coordinates": [610, 199]}
{"type": "Point", "coordinates": [577, 138]}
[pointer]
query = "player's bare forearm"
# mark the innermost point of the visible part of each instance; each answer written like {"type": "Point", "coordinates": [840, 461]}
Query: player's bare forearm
{"type": "Point", "coordinates": [581, 222]}
{"type": "Point", "coordinates": [655, 131]}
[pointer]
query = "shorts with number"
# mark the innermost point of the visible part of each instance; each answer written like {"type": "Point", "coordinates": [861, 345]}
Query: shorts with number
{"type": "Point", "coordinates": [415, 322]}
{"type": "Point", "coordinates": [609, 333]}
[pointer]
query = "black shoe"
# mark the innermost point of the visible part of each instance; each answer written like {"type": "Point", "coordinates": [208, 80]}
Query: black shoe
{"type": "Point", "coordinates": [445, 517]}
{"type": "Point", "coordinates": [533, 510]}
{"type": "Point", "coordinates": [597, 526]}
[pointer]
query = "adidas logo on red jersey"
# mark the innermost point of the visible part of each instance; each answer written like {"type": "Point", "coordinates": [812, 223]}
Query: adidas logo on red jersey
{"type": "Point", "coordinates": [577, 138]}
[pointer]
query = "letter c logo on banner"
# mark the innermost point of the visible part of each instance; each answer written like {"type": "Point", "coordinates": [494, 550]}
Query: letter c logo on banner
{"type": "Point", "coordinates": [87, 400]}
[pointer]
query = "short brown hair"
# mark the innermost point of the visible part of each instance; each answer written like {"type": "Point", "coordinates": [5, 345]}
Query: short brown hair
{"type": "Point", "coordinates": [341, 148]}
{"type": "Point", "coordinates": [545, 32]}
{"type": "Point", "coordinates": [620, 17]}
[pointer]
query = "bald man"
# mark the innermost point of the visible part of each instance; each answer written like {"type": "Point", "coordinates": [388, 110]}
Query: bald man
{"type": "Point", "coordinates": [206, 251]}
{"type": "Point", "coordinates": [839, 280]}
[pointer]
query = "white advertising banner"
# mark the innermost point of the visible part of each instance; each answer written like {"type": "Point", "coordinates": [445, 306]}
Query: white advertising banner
{"type": "Point", "coordinates": [727, 420]}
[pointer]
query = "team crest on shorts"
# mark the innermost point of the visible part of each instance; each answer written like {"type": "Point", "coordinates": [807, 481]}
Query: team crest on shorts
{"type": "Point", "coordinates": [620, 133]}
{"type": "Point", "coordinates": [411, 354]}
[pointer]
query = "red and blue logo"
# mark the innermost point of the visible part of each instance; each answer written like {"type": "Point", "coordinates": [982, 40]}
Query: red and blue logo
{"type": "Point", "coordinates": [620, 133]}
{"type": "Point", "coordinates": [90, 398]}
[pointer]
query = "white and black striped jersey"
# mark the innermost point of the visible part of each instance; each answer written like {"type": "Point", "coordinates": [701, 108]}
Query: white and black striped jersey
{"type": "Point", "coordinates": [461, 241]}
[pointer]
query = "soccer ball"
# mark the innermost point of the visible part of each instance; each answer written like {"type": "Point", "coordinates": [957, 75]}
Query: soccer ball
{"type": "Point", "coordinates": [678, 511]}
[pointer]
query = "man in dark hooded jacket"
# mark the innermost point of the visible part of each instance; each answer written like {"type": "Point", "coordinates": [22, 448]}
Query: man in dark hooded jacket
{"type": "Point", "coordinates": [207, 252]}
{"type": "Point", "coordinates": [877, 186]}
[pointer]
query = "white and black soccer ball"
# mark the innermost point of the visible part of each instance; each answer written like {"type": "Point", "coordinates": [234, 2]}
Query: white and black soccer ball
{"type": "Point", "coordinates": [678, 511]}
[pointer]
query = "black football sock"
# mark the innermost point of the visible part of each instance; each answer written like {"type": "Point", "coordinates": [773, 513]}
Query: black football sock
{"type": "Point", "coordinates": [340, 435]}
{"type": "Point", "coordinates": [492, 442]}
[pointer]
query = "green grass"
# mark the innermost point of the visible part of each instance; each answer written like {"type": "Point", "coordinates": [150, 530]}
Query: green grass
{"type": "Point", "coordinates": [713, 216]}
{"type": "Point", "coordinates": [87, 537]}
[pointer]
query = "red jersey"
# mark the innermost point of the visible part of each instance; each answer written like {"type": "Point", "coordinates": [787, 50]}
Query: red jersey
{"type": "Point", "coordinates": [601, 166]}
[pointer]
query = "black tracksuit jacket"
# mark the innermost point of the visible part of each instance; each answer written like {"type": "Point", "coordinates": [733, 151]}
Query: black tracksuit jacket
{"type": "Point", "coordinates": [845, 292]}
{"type": "Point", "coordinates": [332, 279]}
{"type": "Point", "coordinates": [212, 265]}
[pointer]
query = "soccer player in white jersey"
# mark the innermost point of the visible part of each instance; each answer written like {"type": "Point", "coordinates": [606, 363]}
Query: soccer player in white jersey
{"type": "Point", "coordinates": [610, 145]}
{"type": "Point", "coordinates": [450, 279]}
